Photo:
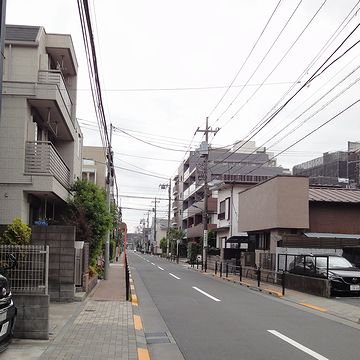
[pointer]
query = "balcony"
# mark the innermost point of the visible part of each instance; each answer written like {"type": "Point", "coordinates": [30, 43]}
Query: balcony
{"type": "Point", "coordinates": [189, 191]}
{"type": "Point", "coordinates": [41, 158]}
{"type": "Point", "coordinates": [55, 77]}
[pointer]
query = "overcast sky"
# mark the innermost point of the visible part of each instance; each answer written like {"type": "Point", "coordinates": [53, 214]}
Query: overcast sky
{"type": "Point", "coordinates": [165, 64]}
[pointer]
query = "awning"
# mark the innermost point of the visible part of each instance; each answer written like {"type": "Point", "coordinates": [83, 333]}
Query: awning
{"type": "Point", "coordinates": [241, 238]}
{"type": "Point", "coordinates": [331, 235]}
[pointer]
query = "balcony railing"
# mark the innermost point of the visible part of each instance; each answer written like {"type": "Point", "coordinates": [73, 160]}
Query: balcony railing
{"type": "Point", "coordinates": [41, 158]}
{"type": "Point", "coordinates": [55, 77]}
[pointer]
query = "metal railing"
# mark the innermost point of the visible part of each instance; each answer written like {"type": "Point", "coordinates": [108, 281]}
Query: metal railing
{"type": "Point", "coordinates": [32, 271]}
{"type": "Point", "coordinates": [41, 157]}
{"type": "Point", "coordinates": [56, 77]}
{"type": "Point", "coordinates": [228, 269]}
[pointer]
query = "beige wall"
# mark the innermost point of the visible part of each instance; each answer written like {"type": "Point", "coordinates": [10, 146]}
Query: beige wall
{"type": "Point", "coordinates": [96, 153]}
{"type": "Point", "coordinates": [281, 202]}
{"type": "Point", "coordinates": [21, 69]}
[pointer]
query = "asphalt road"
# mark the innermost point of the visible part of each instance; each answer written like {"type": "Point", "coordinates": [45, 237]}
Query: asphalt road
{"type": "Point", "coordinates": [214, 320]}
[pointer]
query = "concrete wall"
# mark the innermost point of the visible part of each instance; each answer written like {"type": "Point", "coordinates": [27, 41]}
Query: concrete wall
{"type": "Point", "coordinates": [61, 241]}
{"type": "Point", "coordinates": [281, 202]}
{"type": "Point", "coordinates": [32, 320]}
{"type": "Point", "coordinates": [307, 284]}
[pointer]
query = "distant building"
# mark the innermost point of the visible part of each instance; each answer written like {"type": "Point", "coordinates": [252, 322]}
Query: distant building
{"type": "Point", "coordinates": [94, 165]}
{"type": "Point", "coordinates": [188, 190]}
{"type": "Point", "coordinates": [40, 138]}
{"type": "Point", "coordinates": [339, 168]}
{"type": "Point", "coordinates": [161, 226]}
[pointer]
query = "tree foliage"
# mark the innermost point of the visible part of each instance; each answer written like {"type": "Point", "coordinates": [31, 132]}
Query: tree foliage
{"type": "Point", "coordinates": [16, 233]}
{"type": "Point", "coordinates": [163, 244]}
{"type": "Point", "coordinates": [88, 211]}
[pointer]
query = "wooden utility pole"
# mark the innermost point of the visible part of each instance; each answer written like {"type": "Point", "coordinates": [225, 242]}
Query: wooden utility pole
{"type": "Point", "coordinates": [204, 152]}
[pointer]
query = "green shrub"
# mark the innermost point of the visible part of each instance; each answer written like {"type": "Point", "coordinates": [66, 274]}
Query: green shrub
{"type": "Point", "coordinates": [16, 233]}
{"type": "Point", "coordinates": [193, 250]}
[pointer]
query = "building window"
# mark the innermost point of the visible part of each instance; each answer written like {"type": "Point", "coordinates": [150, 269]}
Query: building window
{"type": "Point", "coordinates": [221, 215]}
{"type": "Point", "coordinates": [88, 162]}
{"type": "Point", "coordinates": [263, 241]}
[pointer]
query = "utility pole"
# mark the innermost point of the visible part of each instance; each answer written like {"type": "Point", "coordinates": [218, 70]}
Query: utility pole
{"type": "Point", "coordinates": [156, 201]}
{"type": "Point", "coordinates": [147, 233]}
{"type": "Point", "coordinates": [2, 42]}
{"type": "Point", "coordinates": [109, 181]}
{"type": "Point", "coordinates": [204, 152]}
{"type": "Point", "coordinates": [163, 186]}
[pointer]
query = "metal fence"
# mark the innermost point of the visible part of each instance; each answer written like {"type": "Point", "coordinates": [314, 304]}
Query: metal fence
{"type": "Point", "coordinates": [31, 273]}
{"type": "Point", "coordinates": [229, 268]}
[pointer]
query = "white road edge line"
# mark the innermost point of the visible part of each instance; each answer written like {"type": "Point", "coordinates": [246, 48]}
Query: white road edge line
{"type": "Point", "coordinates": [206, 294]}
{"type": "Point", "coordinates": [298, 345]}
{"type": "Point", "coordinates": [147, 260]}
{"type": "Point", "coordinates": [174, 276]}
{"type": "Point", "coordinates": [160, 268]}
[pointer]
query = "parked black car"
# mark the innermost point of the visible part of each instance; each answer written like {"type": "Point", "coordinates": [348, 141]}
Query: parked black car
{"type": "Point", "coordinates": [7, 308]}
{"type": "Point", "coordinates": [344, 277]}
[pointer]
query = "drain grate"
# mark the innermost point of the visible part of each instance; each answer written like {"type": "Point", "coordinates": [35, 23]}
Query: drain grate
{"type": "Point", "coordinates": [156, 338]}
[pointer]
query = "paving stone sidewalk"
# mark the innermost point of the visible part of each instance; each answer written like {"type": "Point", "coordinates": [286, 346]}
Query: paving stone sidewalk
{"type": "Point", "coordinates": [102, 329]}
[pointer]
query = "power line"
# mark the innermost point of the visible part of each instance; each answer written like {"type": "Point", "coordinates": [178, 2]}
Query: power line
{"type": "Point", "coordinates": [308, 134]}
{"type": "Point", "coordinates": [277, 65]}
{"type": "Point", "coordinates": [134, 171]}
{"type": "Point", "coordinates": [306, 110]}
{"type": "Point", "coordinates": [264, 123]}
{"type": "Point", "coordinates": [261, 61]}
{"type": "Point", "coordinates": [146, 142]}
{"type": "Point", "coordinates": [246, 59]}
{"type": "Point", "coordinates": [188, 88]}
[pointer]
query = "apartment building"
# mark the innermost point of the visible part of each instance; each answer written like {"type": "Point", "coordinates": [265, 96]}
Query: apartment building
{"type": "Point", "coordinates": [188, 190]}
{"type": "Point", "coordinates": [158, 229]}
{"type": "Point", "coordinates": [40, 139]}
{"type": "Point", "coordinates": [94, 165]}
{"type": "Point", "coordinates": [338, 168]}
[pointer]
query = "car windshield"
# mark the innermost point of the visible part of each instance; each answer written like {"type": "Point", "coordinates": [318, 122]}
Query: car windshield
{"type": "Point", "coordinates": [334, 262]}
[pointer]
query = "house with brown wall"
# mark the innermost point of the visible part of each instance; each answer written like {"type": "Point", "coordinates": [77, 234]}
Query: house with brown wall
{"type": "Point", "coordinates": [285, 212]}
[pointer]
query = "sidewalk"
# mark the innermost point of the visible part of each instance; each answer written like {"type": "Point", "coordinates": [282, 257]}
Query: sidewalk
{"type": "Point", "coordinates": [101, 327]}
{"type": "Point", "coordinates": [104, 326]}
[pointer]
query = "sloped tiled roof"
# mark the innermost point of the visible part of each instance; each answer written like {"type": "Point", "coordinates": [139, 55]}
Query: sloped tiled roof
{"type": "Point", "coordinates": [21, 33]}
{"type": "Point", "coordinates": [334, 195]}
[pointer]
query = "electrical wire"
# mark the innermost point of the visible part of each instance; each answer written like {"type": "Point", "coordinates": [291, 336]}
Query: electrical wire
{"type": "Point", "coordinates": [308, 134]}
{"type": "Point", "coordinates": [344, 23]}
{"type": "Point", "coordinates": [246, 59]}
{"type": "Point", "coordinates": [261, 61]}
{"type": "Point", "coordinates": [305, 111]}
{"type": "Point", "coordinates": [310, 79]}
{"type": "Point", "coordinates": [277, 65]}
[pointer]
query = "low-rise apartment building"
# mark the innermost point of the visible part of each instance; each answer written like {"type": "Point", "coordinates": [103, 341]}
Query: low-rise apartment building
{"type": "Point", "coordinates": [188, 189]}
{"type": "Point", "coordinates": [40, 139]}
